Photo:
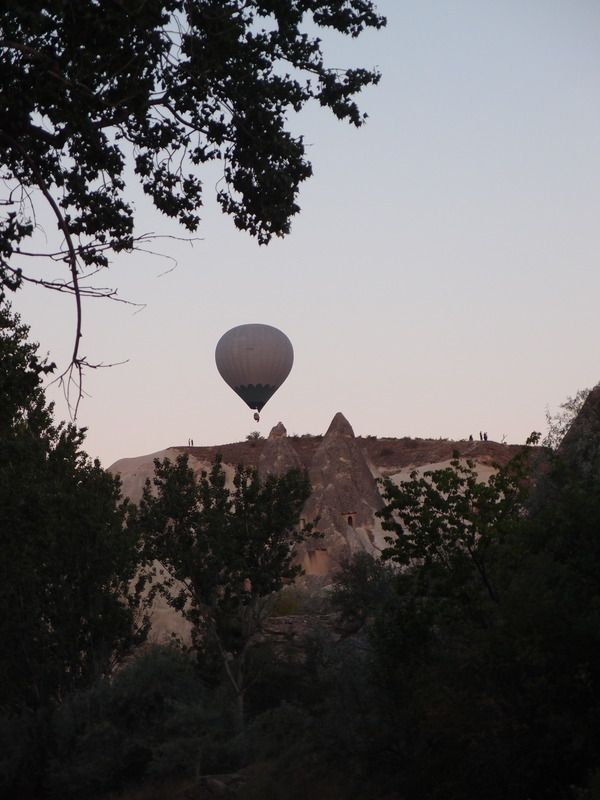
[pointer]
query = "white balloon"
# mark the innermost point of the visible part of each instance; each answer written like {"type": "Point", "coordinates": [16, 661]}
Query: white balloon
{"type": "Point", "coordinates": [254, 360]}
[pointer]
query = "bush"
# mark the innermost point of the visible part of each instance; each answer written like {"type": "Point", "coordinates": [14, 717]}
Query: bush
{"type": "Point", "coordinates": [150, 721]}
{"type": "Point", "coordinates": [21, 754]}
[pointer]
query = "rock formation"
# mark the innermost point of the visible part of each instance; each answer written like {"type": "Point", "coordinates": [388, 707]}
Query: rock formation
{"type": "Point", "coordinates": [278, 456]}
{"type": "Point", "coordinates": [581, 444]}
{"type": "Point", "coordinates": [343, 471]}
{"type": "Point", "coordinates": [344, 497]}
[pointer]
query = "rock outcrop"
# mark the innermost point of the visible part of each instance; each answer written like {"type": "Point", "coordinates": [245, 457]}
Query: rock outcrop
{"type": "Point", "coordinates": [344, 497]}
{"type": "Point", "coordinates": [135, 471]}
{"type": "Point", "coordinates": [278, 456]}
{"type": "Point", "coordinates": [580, 447]}
{"type": "Point", "coordinates": [343, 470]}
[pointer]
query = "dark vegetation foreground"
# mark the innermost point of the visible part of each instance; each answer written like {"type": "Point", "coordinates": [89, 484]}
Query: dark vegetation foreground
{"type": "Point", "coordinates": [465, 663]}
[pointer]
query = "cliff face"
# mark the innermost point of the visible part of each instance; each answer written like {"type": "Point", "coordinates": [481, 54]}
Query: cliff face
{"type": "Point", "coordinates": [344, 497]}
{"type": "Point", "coordinates": [343, 471]}
{"type": "Point", "coordinates": [581, 444]}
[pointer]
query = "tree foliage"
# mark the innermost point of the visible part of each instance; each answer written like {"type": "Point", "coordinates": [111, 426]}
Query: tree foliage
{"type": "Point", "coordinates": [92, 91]}
{"type": "Point", "coordinates": [559, 423]}
{"type": "Point", "coordinates": [151, 721]}
{"type": "Point", "coordinates": [203, 79]}
{"type": "Point", "coordinates": [66, 610]}
{"type": "Point", "coordinates": [485, 637]}
{"type": "Point", "coordinates": [221, 552]}
{"type": "Point", "coordinates": [447, 521]}
{"type": "Point", "coordinates": [89, 90]}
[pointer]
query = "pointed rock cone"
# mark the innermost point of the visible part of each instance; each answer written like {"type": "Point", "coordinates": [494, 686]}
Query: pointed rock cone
{"type": "Point", "coordinates": [344, 496]}
{"type": "Point", "coordinates": [278, 455]}
{"type": "Point", "coordinates": [339, 426]}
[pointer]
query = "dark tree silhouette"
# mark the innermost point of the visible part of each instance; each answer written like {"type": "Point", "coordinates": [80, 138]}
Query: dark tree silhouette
{"type": "Point", "coordinates": [87, 88]}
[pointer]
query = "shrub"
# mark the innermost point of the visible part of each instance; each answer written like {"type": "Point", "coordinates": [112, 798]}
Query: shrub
{"type": "Point", "coordinates": [150, 721]}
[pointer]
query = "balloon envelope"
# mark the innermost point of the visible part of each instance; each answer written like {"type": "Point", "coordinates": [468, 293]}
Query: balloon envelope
{"type": "Point", "coordinates": [254, 360]}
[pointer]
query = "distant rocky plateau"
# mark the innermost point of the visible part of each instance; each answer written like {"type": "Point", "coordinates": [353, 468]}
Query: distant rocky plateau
{"type": "Point", "coordinates": [343, 469]}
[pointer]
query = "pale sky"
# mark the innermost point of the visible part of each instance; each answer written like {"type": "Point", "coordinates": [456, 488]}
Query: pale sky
{"type": "Point", "coordinates": [442, 277]}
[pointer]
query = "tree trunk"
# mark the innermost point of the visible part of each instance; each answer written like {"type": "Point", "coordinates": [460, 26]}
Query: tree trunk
{"type": "Point", "coordinates": [241, 724]}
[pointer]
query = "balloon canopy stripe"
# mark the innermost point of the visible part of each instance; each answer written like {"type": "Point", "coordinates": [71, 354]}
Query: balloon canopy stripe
{"type": "Point", "coordinates": [255, 396]}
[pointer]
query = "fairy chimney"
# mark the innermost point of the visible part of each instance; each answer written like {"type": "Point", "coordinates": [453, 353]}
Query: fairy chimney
{"type": "Point", "coordinates": [278, 456]}
{"type": "Point", "coordinates": [344, 498]}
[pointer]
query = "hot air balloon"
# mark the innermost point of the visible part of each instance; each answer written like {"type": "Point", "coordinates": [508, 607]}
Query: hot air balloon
{"type": "Point", "coordinates": [254, 360]}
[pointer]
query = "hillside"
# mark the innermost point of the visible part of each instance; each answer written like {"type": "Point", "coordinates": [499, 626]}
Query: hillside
{"type": "Point", "coordinates": [343, 469]}
{"type": "Point", "coordinates": [388, 455]}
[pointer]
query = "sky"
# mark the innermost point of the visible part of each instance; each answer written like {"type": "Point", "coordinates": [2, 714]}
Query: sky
{"type": "Point", "coordinates": [442, 277]}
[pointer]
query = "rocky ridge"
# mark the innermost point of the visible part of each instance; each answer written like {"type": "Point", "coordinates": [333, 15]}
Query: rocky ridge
{"type": "Point", "coordinates": [343, 470]}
